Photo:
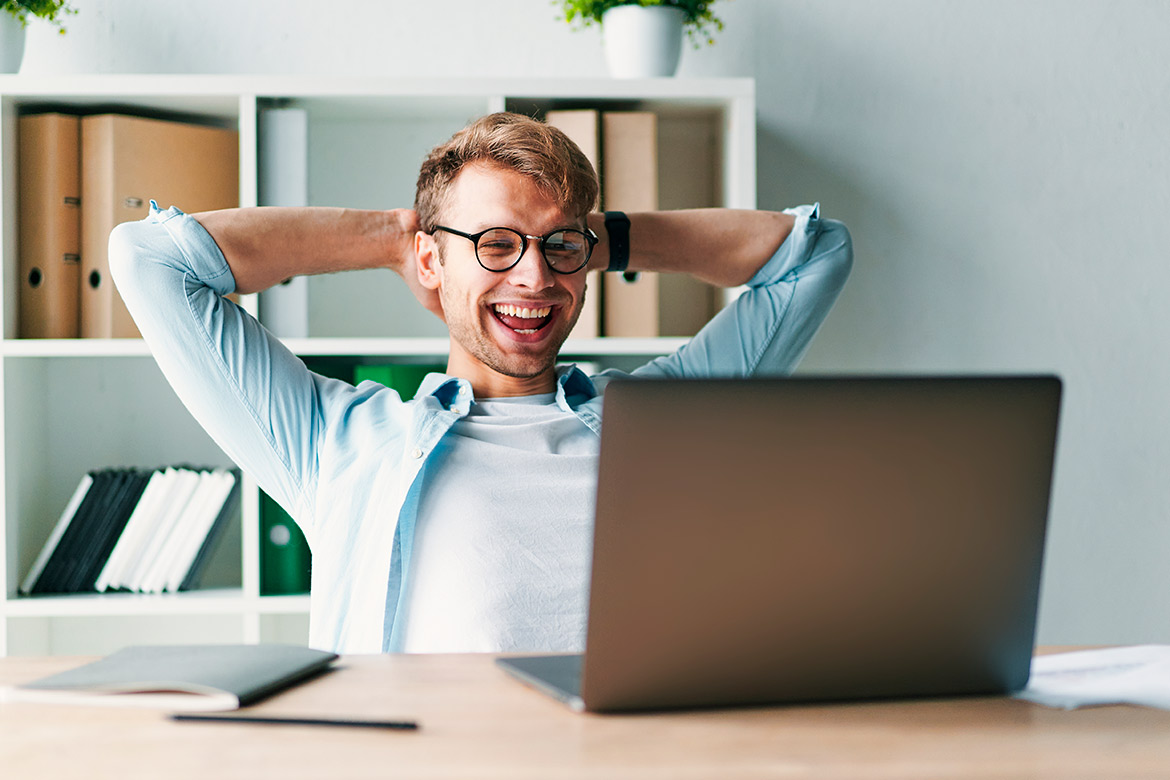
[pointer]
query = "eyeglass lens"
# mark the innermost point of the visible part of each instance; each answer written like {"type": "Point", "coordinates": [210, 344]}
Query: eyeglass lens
{"type": "Point", "coordinates": [500, 248]}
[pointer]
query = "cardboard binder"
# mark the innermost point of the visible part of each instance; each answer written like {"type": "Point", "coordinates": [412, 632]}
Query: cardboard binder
{"type": "Point", "coordinates": [582, 126]}
{"type": "Point", "coordinates": [50, 225]}
{"type": "Point", "coordinates": [652, 304]}
{"type": "Point", "coordinates": [127, 161]}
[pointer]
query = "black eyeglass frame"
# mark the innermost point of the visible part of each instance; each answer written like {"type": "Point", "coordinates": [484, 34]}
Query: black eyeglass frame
{"type": "Point", "coordinates": [591, 240]}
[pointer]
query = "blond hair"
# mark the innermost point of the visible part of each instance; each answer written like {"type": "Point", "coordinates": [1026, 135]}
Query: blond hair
{"type": "Point", "coordinates": [520, 143]}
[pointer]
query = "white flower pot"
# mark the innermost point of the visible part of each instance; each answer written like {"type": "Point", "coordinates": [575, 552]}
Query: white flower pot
{"type": "Point", "coordinates": [642, 42]}
{"type": "Point", "coordinates": [11, 43]}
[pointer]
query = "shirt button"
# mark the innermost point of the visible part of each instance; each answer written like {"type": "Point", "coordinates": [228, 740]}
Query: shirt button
{"type": "Point", "coordinates": [416, 453]}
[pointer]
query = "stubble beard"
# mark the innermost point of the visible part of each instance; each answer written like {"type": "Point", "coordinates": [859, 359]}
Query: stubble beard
{"type": "Point", "coordinates": [474, 338]}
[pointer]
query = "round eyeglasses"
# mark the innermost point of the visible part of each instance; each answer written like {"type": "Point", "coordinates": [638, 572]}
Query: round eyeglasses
{"type": "Point", "coordinates": [498, 249]}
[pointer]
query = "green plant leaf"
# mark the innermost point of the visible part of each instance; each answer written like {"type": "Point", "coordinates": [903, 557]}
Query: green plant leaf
{"type": "Point", "coordinates": [699, 21]}
{"type": "Point", "coordinates": [51, 11]}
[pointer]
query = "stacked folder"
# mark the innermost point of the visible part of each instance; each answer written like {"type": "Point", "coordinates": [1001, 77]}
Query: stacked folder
{"type": "Point", "coordinates": [625, 148]}
{"type": "Point", "coordinates": [82, 175]}
{"type": "Point", "coordinates": [134, 530]}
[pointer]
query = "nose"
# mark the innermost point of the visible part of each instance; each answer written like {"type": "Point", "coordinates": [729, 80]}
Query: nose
{"type": "Point", "coordinates": [532, 271]}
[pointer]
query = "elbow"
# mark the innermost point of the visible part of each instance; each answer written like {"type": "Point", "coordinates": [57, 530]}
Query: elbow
{"type": "Point", "coordinates": [125, 252]}
{"type": "Point", "coordinates": [138, 262]}
{"type": "Point", "coordinates": [838, 251]}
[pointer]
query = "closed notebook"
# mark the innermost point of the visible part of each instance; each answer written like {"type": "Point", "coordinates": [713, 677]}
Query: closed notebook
{"type": "Point", "coordinates": [189, 678]}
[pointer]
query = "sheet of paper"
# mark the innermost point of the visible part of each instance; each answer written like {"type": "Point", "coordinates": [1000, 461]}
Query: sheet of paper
{"type": "Point", "coordinates": [1116, 675]}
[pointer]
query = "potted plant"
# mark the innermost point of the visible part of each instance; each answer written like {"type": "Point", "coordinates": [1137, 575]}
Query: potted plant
{"type": "Point", "coordinates": [643, 38]}
{"type": "Point", "coordinates": [14, 15]}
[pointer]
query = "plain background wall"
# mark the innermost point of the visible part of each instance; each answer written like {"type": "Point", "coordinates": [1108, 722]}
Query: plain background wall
{"type": "Point", "coordinates": [1003, 167]}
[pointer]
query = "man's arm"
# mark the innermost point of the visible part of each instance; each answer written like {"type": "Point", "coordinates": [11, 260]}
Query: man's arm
{"type": "Point", "coordinates": [265, 246]}
{"type": "Point", "coordinates": [256, 399]}
{"type": "Point", "coordinates": [794, 264]}
{"type": "Point", "coordinates": [723, 247]}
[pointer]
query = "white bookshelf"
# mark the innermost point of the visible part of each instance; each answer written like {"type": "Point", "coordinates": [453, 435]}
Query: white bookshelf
{"type": "Point", "coordinates": [74, 405]}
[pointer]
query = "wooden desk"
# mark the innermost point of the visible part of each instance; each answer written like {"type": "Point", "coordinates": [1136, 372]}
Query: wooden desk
{"type": "Point", "coordinates": [479, 723]}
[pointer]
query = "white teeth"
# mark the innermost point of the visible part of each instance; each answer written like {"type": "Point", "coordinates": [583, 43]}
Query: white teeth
{"type": "Point", "coordinates": [518, 311]}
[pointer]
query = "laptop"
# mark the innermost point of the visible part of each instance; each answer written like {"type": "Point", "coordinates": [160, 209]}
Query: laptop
{"type": "Point", "coordinates": [810, 539]}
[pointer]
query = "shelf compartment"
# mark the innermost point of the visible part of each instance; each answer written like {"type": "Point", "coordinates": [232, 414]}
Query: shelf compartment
{"type": "Point", "coordinates": [66, 416]}
{"type": "Point", "coordinates": [211, 107]}
{"type": "Point", "coordinates": [392, 133]}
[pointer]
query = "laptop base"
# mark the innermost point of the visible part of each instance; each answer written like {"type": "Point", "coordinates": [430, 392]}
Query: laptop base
{"type": "Point", "coordinates": [558, 676]}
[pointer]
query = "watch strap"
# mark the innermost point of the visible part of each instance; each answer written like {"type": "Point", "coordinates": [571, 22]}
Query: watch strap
{"type": "Point", "coordinates": [617, 228]}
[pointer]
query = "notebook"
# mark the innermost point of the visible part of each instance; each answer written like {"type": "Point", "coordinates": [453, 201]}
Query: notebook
{"type": "Point", "coordinates": [812, 539]}
{"type": "Point", "coordinates": [186, 678]}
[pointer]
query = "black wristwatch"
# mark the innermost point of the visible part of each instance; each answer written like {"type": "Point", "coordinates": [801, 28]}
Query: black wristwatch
{"type": "Point", "coordinates": [617, 227]}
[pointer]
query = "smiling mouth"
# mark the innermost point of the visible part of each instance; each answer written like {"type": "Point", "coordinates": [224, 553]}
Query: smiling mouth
{"type": "Point", "coordinates": [523, 320]}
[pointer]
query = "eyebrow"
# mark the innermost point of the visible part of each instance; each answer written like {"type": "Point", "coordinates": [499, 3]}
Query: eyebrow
{"type": "Point", "coordinates": [486, 226]}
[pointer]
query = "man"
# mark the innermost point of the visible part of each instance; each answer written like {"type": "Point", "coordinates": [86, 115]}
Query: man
{"type": "Point", "coordinates": [459, 520]}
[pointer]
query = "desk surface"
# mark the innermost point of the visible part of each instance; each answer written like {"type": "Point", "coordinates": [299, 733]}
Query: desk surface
{"type": "Point", "coordinates": [478, 723]}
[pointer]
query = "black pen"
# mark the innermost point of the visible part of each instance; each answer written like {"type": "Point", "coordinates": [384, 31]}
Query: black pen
{"type": "Point", "coordinates": [398, 725]}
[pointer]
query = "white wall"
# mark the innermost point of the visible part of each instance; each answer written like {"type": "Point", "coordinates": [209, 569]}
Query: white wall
{"type": "Point", "coordinates": [1003, 167]}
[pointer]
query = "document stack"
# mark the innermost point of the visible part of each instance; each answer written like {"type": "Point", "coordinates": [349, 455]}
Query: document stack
{"type": "Point", "coordinates": [82, 175]}
{"type": "Point", "coordinates": [134, 530]}
{"type": "Point", "coordinates": [625, 148]}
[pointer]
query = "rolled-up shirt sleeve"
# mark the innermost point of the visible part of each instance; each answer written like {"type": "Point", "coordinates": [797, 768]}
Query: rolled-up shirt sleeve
{"type": "Point", "coordinates": [256, 399]}
{"type": "Point", "coordinates": [768, 328]}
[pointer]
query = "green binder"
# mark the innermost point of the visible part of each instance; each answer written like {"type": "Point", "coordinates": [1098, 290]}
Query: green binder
{"type": "Point", "coordinates": [403, 377]}
{"type": "Point", "coordinates": [285, 561]}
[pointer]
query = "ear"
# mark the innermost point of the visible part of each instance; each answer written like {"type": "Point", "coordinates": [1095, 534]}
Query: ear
{"type": "Point", "coordinates": [430, 269]}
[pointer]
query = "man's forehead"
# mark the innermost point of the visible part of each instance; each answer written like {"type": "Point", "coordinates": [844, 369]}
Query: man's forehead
{"type": "Point", "coordinates": [489, 195]}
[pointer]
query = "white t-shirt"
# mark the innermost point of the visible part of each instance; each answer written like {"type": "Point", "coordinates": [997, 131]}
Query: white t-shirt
{"type": "Point", "coordinates": [501, 560]}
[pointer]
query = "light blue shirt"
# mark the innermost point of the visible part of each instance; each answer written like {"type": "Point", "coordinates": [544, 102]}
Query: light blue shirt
{"type": "Point", "coordinates": [344, 461]}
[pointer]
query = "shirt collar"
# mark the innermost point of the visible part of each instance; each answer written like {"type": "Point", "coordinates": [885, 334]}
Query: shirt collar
{"type": "Point", "coordinates": [452, 393]}
{"type": "Point", "coordinates": [574, 388]}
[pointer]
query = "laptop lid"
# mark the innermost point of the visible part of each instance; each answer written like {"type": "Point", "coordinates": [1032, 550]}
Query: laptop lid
{"type": "Point", "coordinates": [783, 540]}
